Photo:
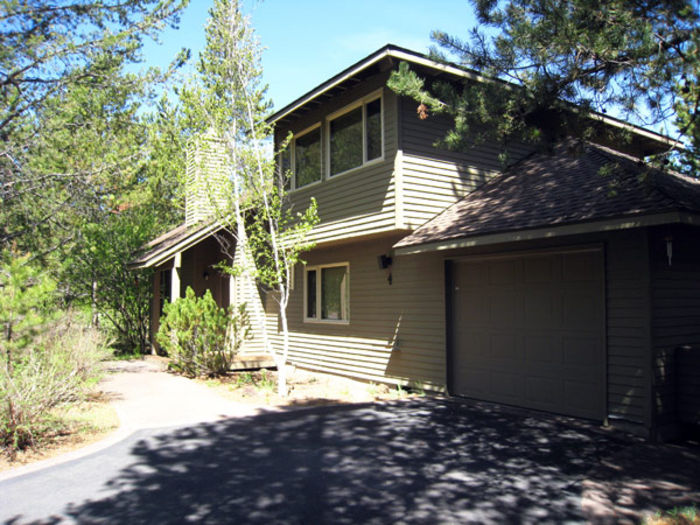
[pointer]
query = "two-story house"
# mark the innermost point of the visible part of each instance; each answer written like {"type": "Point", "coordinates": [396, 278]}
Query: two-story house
{"type": "Point", "coordinates": [545, 286]}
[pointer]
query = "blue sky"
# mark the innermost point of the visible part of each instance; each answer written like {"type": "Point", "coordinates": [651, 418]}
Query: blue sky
{"type": "Point", "coordinates": [308, 41]}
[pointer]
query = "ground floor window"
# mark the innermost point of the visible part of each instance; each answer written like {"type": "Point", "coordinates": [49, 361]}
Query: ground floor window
{"type": "Point", "coordinates": [327, 293]}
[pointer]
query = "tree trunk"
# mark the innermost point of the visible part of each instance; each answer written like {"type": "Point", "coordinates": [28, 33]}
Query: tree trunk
{"type": "Point", "coordinates": [95, 318]}
{"type": "Point", "coordinates": [282, 389]}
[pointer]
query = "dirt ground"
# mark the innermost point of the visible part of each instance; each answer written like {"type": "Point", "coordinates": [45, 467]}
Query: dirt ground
{"type": "Point", "coordinates": [259, 388]}
{"type": "Point", "coordinates": [87, 423]}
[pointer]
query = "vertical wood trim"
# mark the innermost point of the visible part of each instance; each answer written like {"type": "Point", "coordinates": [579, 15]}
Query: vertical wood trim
{"type": "Point", "coordinates": [399, 122]}
{"type": "Point", "coordinates": [155, 310]}
{"type": "Point", "coordinates": [648, 346]}
{"type": "Point", "coordinates": [398, 191]}
{"type": "Point", "coordinates": [175, 277]}
{"type": "Point", "coordinates": [650, 408]}
{"type": "Point", "coordinates": [604, 294]}
{"type": "Point", "coordinates": [449, 339]}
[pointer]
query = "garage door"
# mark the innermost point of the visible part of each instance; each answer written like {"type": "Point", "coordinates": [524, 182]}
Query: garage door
{"type": "Point", "coordinates": [529, 331]}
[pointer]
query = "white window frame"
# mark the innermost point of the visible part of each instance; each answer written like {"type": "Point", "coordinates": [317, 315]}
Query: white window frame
{"type": "Point", "coordinates": [291, 149]}
{"type": "Point", "coordinates": [375, 95]}
{"type": "Point", "coordinates": [318, 268]}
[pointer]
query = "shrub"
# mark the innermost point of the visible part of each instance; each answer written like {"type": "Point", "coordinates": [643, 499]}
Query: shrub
{"type": "Point", "coordinates": [201, 338]}
{"type": "Point", "coordinates": [59, 366]}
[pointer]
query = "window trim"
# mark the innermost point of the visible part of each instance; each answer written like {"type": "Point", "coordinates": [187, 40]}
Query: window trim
{"type": "Point", "coordinates": [293, 157]}
{"type": "Point", "coordinates": [319, 290]}
{"type": "Point", "coordinates": [362, 103]}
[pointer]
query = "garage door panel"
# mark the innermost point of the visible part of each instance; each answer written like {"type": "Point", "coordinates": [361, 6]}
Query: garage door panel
{"type": "Point", "coordinates": [541, 343]}
{"type": "Point", "coordinates": [584, 398]}
{"type": "Point", "coordinates": [580, 308]}
{"type": "Point", "coordinates": [506, 386]}
{"type": "Point", "coordinates": [504, 307]}
{"type": "Point", "coordinates": [478, 379]}
{"type": "Point", "coordinates": [502, 272]}
{"type": "Point", "coordinates": [542, 348]}
{"type": "Point", "coordinates": [541, 308]}
{"type": "Point", "coordinates": [582, 267]}
{"type": "Point", "coordinates": [504, 348]}
{"type": "Point", "coordinates": [541, 391]}
{"type": "Point", "coordinates": [538, 270]}
{"type": "Point", "coordinates": [582, 351]}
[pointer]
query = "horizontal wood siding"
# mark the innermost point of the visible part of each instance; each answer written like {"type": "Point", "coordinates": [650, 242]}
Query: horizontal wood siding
{"type": "Point", "coordinates": [628, 330]}
{"type": "Point", "coordinates": [362, 201]}
{"type": "Point", "coordinates": [396, 331]}
{"type": "Point", "coordinates": [244, 290]}
{"type": "Point", "coordinates": [676, 325]}
{"type": "Point", "coordinates": [434, 178]}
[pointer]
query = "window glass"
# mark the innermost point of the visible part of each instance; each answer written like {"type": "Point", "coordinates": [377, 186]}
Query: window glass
{"type": "Point", "coordinates": [346, 141]}
{"type": "Point", "coordinates": [307, 158]}
{"type": "Point", "coordinates": [311, 294]}
{"type": "Point", "coordinates": [374, 129]}
{"type": "Point", "coordinates": [334, 293]}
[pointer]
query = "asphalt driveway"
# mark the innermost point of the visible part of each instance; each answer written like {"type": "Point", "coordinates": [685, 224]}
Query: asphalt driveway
{"type": "Point", "coordinates": [418, 461]}
{"type": "Point", "coordinates": [186, 455]}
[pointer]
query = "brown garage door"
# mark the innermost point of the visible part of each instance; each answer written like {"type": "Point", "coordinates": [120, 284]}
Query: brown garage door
{"type": "Point", "coordinates": [529, 330]}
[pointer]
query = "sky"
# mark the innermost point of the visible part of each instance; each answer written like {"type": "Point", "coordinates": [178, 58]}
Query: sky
{"type": "Point", "coordinates": [308, 41]}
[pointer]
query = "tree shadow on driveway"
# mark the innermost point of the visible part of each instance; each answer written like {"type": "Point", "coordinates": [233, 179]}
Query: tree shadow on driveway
{"type": "Point", "coordinates": [418, 461]}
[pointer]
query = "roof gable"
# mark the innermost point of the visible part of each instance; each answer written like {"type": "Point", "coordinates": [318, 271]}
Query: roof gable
{"type": "Point", "coordinates": [389, 56]}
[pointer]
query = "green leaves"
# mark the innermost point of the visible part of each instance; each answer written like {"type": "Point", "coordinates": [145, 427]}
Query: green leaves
{"type": "Point", "coordinates": [629, 60]}
{"type": "Point", "coordinates": [26, 300]}
{"type": "Point", "coordinates": [200, 337]}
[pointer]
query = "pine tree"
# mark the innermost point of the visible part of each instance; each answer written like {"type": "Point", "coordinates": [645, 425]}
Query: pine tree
{"type": "Point", "coordinates": [634, 60]}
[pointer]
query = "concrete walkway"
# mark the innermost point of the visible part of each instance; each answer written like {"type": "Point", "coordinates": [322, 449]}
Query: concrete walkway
{"type": "Point", "coordinates": [145, 397]}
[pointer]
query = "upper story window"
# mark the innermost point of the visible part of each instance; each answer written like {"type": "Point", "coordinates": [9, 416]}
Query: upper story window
{"type": "Point", "coordinates": [307, 158]}
{"type": "Point", "coordinates": [355, 137]}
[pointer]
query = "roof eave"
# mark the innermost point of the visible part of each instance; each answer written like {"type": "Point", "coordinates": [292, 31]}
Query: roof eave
{"type": "Point", "coordinates": [161, 256]}
{"type": "Point", "coordinates": [388, 51]}
{"type": "Point", "coordinates": [554, 231]}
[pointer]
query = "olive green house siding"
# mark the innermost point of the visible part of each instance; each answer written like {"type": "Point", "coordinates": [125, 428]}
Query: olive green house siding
{"type": "Point", "coordinates": [434, 178]}
{"type": "Point", "coordinates": [401, 321]}
{"type": "Point", "coordinates": [395, 332]}
{"type": "Point", "coordinates": [675, 290]}
{"type": "Point", "coordinates": [401, 230]}
{"type": "Point", "coordinates": [361, 201]}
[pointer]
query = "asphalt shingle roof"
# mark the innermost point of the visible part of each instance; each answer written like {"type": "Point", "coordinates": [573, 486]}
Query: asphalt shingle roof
{"type": "Point", "coordinates": [561, 188]}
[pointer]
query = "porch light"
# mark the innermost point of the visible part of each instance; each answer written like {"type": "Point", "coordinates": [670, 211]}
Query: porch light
{"type": "Point", "coordinates": [384, 262]}
{"type": "Point", "coordinates": [669, 249]}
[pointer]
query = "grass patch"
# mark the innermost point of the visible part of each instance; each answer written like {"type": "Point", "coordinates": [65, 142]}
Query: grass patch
{"type": "Point", "coordinates": [676, 516]}
{"type": "Point", "coordinates": [305, 388]}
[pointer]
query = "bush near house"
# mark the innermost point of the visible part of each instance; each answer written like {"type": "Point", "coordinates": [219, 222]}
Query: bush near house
{"type": "Point", "coordinates": [201, 338]}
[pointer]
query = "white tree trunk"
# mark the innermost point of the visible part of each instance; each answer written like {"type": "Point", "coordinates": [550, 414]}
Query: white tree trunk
{"type": "Point", "coordinates": [282, 389]}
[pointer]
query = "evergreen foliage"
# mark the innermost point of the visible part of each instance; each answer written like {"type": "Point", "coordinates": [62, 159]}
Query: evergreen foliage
{"type": "Point", "coordinates": [49, 359]}
{"type": "Point", "coordinates": [549, 64]}
{"type": "Point", "coordinates": [200, 338]}
{"type": "Point", "coordinates": [91, 161]}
